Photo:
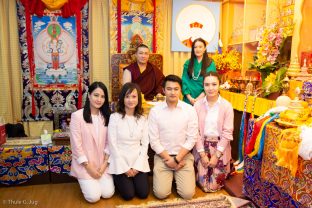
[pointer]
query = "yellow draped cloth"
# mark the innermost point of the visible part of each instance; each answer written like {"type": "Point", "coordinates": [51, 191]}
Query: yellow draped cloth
{"type": "Point", "coordinates": [54, 4]}
{"type": "Point", "coordinates": [136, 5]}
{"type": "Point", "coordinates": [287, 151]}
{"type": "Point", "coordinates": [261, 106]}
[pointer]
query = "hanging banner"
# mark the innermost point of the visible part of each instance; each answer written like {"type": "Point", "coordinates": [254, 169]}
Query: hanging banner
{"type": "Point", "coordinates": [136, 24]}
{"type": "Point", "coordinates": [54, 56]}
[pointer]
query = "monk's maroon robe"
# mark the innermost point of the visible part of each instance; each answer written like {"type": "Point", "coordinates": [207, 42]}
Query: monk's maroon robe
{"type": "Point", "coordinates": [150, 81]}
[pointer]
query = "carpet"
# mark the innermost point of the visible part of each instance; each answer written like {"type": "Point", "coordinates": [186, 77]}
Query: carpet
{"type": "Point", "coordinates": [215, 201]}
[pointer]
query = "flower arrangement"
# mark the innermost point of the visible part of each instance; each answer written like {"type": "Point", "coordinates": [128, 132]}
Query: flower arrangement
{"type": "Point", "coordinates": [227, 61]}
{"type": "Point", "coordinates": [271, 41]}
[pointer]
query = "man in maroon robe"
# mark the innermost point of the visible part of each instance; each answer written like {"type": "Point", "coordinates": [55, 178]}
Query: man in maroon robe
{"type": "Point", "coordinates": [143, 73]}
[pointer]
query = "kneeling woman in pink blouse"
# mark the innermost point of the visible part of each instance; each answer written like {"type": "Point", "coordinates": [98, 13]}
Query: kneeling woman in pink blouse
{"type": "Point", "coordinates": [128, 144]}
{"type": "Point", "coordinates": [88, 139]}
{"type": "Point", "coordinates": [213, 150]}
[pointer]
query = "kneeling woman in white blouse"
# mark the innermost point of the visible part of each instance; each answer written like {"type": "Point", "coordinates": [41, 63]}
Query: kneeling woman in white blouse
{"type": "Point", "coordinates": [128, 144]}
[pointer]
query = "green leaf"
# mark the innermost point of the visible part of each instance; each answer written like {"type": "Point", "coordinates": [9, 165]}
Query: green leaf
{"type": "Point", "coordinates": [280, 74]}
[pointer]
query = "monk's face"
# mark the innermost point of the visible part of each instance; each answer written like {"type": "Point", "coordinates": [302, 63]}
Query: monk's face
{"type": "Point", "coordinates": [142, 55]}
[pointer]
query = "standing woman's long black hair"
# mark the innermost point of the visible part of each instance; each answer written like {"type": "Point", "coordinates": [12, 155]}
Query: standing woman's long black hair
{"type": "Point", "coordinates": [206, 61]}
{"type": "Point", "coordinates": [104, 109]}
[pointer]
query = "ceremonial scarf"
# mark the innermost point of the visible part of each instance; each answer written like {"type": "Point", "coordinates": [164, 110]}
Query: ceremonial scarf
{"type": "Point", "coordinates": [257, 127]}
{"type": "Point", "coordinates": [259, 145]}
{"type": "Point", "coordinates": [241, 137]}
{"type": "Point", "coordinates": [242, 132]}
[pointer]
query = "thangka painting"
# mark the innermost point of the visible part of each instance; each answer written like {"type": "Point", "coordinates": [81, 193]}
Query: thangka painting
{"type": "Point", "coordinates": [55, 52]}
{"type": "Point", "coordinates": [195, 19]}
{"type": "Point", "coordinates": [54, 58]}
{"type": "Point", "coordinates": [136, 27]}
{"type": "Point", "coordinates": [136, 24]}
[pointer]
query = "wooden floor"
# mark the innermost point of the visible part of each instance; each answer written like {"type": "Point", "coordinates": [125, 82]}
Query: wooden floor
{"type": "Point", "coordinates": [65, 195]}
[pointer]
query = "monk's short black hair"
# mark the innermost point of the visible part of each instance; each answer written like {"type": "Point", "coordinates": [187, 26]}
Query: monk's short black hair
{"type": "Point", "coordinates": [141, 46]}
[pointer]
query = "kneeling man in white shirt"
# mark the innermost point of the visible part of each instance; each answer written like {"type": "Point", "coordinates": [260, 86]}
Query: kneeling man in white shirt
{"type": "Point", "coordinates": [173, 131]}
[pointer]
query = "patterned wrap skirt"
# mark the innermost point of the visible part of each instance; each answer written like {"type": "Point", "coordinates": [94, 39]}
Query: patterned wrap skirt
{"type": "Point", "coordinates": [210, 179]}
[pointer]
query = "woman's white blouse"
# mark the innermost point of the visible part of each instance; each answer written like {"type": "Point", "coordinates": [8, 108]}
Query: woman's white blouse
{"type": "Point", "coordinates": [211, 120]}
{"type": "Point", "coordinates": [125, 151]}
{"type": "Point", "coordinates": [96, 123]}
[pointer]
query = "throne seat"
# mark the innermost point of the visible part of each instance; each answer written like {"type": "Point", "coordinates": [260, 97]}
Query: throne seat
{"type": "Point", "coordinates": [119, 61]}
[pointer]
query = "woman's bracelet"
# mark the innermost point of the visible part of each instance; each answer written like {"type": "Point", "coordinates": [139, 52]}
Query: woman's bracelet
{"type": "Point", "coordinates": [85, 164]}
{"type": "Point", "coordinates": [106, 157]}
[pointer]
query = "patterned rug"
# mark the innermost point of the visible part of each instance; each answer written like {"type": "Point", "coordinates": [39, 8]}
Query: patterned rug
{"type": "Point", "coordinates": [216, 201]}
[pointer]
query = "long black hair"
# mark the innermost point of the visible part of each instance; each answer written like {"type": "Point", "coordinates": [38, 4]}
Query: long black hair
{"type": "Point", "coordinates": [206, 61]}
{"type": "Point", "coordinates": [126, 90]}
{"type": "Point", "coordinates": [104, 109]}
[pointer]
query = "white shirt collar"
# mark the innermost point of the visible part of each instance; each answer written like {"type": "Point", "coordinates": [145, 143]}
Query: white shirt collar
{"type": "Point", "coordinates": [165, 105]}
{"type": "Point", "coordinates": [217, 102]}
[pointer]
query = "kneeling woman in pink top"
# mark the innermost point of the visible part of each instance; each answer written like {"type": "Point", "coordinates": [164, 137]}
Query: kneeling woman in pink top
{"type": "Point", "coordinates": [213, 150]}
{"type": "Point", "coordinates": [88, 140]}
